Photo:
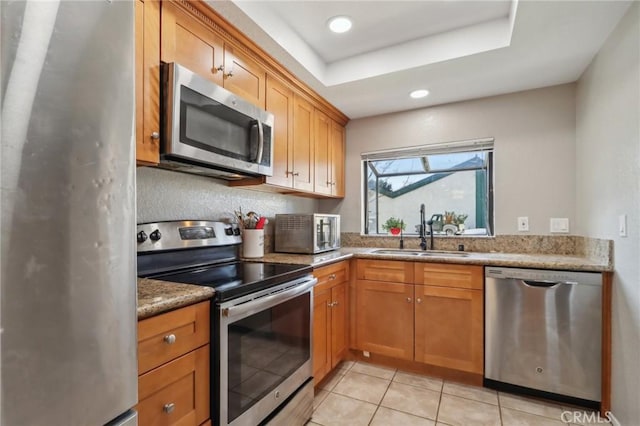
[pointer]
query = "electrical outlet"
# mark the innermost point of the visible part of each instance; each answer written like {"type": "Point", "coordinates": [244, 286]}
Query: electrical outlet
{"type": "Point", "coordinates": [559, 225]}
{"type": "Point", "coordinates": [622, 225]}
{"type": "Point", "coordinates": [523, 223]}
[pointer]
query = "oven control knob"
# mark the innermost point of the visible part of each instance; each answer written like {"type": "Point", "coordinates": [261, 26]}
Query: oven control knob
{"type": "Point", "coordinates": [142, 237]}
{"type": "Point", "coordinates": [155, 235]}
{"type": "Point", "coordinates": [236, 231]}
{"type": "Point", "coordinates": [228, 231]}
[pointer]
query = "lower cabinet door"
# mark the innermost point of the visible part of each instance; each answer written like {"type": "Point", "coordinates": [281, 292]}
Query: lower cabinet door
{"type": "Point", "coordinates": [449, 328]}
{"type": "Point", "coordinates": [384, 318]}
{"type": "Point", "coordinates": [338, 323]}
{"type": "Point", "coordinates": [176, 393]}
{"type": "Point", "coordinates": [321, 335]}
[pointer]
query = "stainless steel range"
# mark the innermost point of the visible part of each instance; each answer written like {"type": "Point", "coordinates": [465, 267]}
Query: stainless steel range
{"type": "Point", "coordinates": [260, 327]}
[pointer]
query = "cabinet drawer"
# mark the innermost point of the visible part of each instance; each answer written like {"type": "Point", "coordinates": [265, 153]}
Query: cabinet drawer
{"type": "Point", "coordinates": [449, 275]}
{"type": "Point", "coordinates": [176, 393]}
{"type": "Point", "coordinates": [167, 336]}
{"type": "Point", "coordinates": [330, 275]}
{"type": "Point", "coordinates": [385, 270]}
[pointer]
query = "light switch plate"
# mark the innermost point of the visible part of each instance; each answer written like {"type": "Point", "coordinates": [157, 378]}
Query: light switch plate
{"type": "Point", "coordinates": [523, 223]}
{"type": "Point", "coordinates": [559, 225]}
{"type": "Point", "coordinates": [622, 225]}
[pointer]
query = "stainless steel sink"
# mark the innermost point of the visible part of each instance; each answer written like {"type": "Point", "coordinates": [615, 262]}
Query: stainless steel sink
{"type": "Point", "coordinates": [398, 252]}
{"type": "Point", "coordinates": [420, 253]}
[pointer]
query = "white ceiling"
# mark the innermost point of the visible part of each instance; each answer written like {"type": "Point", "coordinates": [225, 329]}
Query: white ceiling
{"type": "Point", "coordinates": [456, 49]}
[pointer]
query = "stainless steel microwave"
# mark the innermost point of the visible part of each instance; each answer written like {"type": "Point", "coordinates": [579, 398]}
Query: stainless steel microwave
{"type": "Point", "coordinates": [307, 233]}
{"type": "Point", "coordinates": [211, 131]}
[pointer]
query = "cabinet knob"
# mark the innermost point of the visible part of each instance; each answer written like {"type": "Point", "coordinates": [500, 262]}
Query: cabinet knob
{"type": "Point", "coordinates": [229, 74]}
{"type": "Point", "coordinates": [168, 408]}
{"type": "Point", "coordinates": [155, 135]}
{"type": "Point", "coordinates": [335, 303]}
{"type": "Point", "coordinates": [220, 68]}
{"type": "Point", "coordinates": [408, 300]}
{"type": "Point", "coordinates": [332, 276]}
{"type": "Point", "coordinates": [418, 300]}
{"type": "Point", "coordinates": [296, 173]}
{"type": "Point", "coordinates": [330, 304]}
{"type": "Point", "coordinates": [170, 339]}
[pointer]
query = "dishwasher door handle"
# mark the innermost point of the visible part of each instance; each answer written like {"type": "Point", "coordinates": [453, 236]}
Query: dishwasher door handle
{"type": "Point", "coordinates": [547, 284]}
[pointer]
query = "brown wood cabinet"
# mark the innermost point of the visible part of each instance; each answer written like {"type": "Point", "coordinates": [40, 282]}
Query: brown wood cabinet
{"type": "Point", "coordinates": [173, 367]}
{"type": "Point", "coordinates": [303, 168]}
{"type": "Point", "coordinates": [329, 156]}
{"type": "Point", "coordinates": [384, 318]}
{"type": "Point", "coordinates": [280, 104]}
{"type": "Point", "coordinates": [191, 43]}
{"type": "Point", "coordinates": [337, 157]}
{"type": "Point", "coordinates": [329, 318]}
{"type": "Point", "coordinates": [322, 136]}
{"type": "Point", "coordinates": [424, 312]}
{"type": "Point", "coordinates": [243, 76]}
{"type": "Point", "coordinates": [147, 30]}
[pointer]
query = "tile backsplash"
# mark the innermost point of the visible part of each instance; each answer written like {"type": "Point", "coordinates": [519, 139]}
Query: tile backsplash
{"type": "Point", "coordinates": [166, 195]}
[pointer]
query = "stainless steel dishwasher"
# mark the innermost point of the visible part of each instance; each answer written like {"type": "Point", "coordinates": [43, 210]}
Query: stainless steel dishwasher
{"type": "Point", "coordinates": [543, 333]}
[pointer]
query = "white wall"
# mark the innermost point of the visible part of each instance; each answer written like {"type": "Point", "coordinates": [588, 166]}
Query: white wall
{"type": "Point", "coordinates": [608, 176]}
{"type": "Point", "coordinates": [534, 135]}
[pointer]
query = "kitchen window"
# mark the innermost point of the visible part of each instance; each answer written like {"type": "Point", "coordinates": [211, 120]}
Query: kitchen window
{"type": "Point", "coordinates": [453, 180]}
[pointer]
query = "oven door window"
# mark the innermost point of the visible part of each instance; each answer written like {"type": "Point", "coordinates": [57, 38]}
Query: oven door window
{"type": "Point", "coordinates": [264, 349]}
{"type": "Point", "coordinates": [214, 127]}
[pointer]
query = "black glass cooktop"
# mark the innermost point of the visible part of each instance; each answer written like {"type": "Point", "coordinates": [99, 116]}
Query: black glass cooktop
{"type": "Point", "coordinates": [236, 279]}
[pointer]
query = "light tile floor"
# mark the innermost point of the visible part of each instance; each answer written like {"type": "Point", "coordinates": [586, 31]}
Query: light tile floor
{"type": "Point", "coordinates": [364, 394]}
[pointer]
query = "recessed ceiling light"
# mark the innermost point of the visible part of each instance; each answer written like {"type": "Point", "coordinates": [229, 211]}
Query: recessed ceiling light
{"type": "Point", "coordinates": [339, 24]}
{"type": "Point", "coordinates": [417, 94]}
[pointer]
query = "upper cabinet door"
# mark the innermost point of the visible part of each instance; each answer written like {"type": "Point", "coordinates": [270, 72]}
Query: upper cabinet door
{"type": "Point", "coordinates": [337, 159]}
{"type": "Point", "coordinates": [187, 41]}
{"type": "Point", "coordinates": [302, 144]}
{"type": "Point", "coordinates": [147, 81]}
{"type": "Point", "coordinates": [243, 76]}
{"type": "Point", "coordinates": [280, 104]}
{"type": "Point", "coordinates": [322, 132]}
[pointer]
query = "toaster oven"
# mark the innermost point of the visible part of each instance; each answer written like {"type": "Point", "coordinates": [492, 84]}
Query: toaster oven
{"type": "Point", "coordinates": [307, 233]}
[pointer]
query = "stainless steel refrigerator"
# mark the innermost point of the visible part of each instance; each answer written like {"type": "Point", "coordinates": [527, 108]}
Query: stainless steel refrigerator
{"type": "Point", "coordinates": [68, 278]}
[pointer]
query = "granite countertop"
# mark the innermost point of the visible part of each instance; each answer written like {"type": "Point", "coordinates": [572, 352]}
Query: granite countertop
{"type": "Point", "coordinates": [156, 297]}
{"type": "Point", "coordinates": [518, 260]}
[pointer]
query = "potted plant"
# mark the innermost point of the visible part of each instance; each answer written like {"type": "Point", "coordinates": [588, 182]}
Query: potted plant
{"type": "Point", "coordinates": [459, 221]}
{"type": "Point", "coordinates": [393, 225]}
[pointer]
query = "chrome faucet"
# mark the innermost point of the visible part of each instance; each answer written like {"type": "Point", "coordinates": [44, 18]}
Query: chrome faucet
{"type": "Point", "coordinates": [423, 229]}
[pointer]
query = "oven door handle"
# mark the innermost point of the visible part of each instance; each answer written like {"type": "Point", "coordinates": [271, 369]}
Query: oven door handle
{"type": "Point", "coordinates": [262, 303]}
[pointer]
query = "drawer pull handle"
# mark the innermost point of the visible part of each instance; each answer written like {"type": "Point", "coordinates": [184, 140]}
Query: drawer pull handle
{"type": "Point", "coordinates": [168, 408]}
{"type": "Point", "coordinates": [332, 276]}
{"type": "Point", "coordinates": [170, 339]}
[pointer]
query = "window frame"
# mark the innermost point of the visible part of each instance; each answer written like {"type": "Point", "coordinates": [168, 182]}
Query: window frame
{"type": "Point", "coordinates": [479, 145]}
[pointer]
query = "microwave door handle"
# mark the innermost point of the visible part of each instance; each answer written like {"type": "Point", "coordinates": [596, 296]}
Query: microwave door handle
{"type": "Point", "coordinates": [260, 141]}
